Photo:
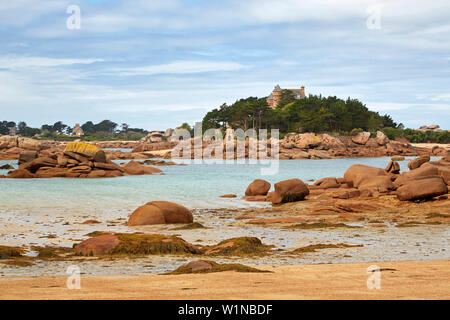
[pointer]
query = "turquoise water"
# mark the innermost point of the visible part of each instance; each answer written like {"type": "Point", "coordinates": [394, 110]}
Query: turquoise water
{"type": "Point", "coordinates": [194, 185]}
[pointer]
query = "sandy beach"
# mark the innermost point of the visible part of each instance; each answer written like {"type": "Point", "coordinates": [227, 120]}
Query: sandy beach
{"type": "Point", "coordinates": [399, 280]}
{"type": "Point", "coordinates": [432, 145]}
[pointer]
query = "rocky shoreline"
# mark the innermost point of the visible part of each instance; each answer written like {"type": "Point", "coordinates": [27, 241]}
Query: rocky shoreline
{"type": "Point", "coordinates": [292, 146]}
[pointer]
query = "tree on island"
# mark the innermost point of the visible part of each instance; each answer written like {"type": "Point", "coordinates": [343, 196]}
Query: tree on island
{"type": "Point", "coordinates": [312, 113]}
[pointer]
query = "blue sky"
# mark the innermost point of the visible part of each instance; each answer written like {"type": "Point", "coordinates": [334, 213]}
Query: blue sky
{"type": "Point", "coordinates": [155, 64]}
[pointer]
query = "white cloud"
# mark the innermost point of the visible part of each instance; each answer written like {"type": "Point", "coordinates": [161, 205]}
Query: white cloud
{"type": "Point", "coordinates": [180, 67]}
{"type": "Point", "coordinates": [390, 106]}
{"type": "Point", "coordinates": [16, 62]}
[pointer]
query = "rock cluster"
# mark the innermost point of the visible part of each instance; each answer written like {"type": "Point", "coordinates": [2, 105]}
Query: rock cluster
{"type": "Point", "coordinates": [324, 146]}
{"type": "Point", "coordinates": [285, 191]}
{"type": "Point", "coordinates": [425, 180]}
{"type": "Point", "coordinates": [78, 160]}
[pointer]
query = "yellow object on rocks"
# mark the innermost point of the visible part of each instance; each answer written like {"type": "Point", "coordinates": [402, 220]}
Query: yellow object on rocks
{"type": "Point", "coordinates": [82, 148]}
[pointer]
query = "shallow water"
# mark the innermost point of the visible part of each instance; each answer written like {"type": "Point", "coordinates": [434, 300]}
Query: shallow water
{"type": "Point", "coordinates": [32, 209]}
{"type": "Point", "coordinates": [194, 185]}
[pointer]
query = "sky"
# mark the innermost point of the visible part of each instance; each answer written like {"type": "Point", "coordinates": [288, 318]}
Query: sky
{"type": "Point", "coordinates": [156, 64]}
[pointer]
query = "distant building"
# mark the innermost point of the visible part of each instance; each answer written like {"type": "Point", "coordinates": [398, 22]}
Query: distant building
{"type": "Point", "coordinates": [275, 96]}
{"type": "Point", "coordinates": [12, 131]}
{"type": "Point", "coordinates": [77, 131]}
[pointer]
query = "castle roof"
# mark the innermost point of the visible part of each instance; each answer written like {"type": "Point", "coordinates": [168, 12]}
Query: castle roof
{"type": "Point", "coordinates": [297, 92]}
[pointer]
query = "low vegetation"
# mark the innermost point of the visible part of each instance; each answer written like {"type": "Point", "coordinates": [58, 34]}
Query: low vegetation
{"type": "Point", "coordinates": [215, 267]}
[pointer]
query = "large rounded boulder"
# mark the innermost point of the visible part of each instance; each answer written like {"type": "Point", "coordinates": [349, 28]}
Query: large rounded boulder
{"type": "Point", "coordinates": [326, 183]}
{"type": "Point", "coordinates": [160, 212]}
{"type": "Point", "coordinates": [381, 138]}
{"type": "Point", "coordinates": [307, 140]}
{"type": "Point", "coordinates": [422, 188]}
{"type": "Point", "coordinates": [357, 173]}
{"type": "Point", "coordinates": [134, 168]}
{"type": "Point", "coordinates": [361, 138]}
{"type": "Point", "coordinates": [289, 191]}
{"type": "Point", "coordinates": [416, 163]}
{"type": "Point", "coordinates": [258, 187]}
{"type": "Point", "coordinates": [380, 184]}
{"type": "Point", "coordinates": [423, 171]}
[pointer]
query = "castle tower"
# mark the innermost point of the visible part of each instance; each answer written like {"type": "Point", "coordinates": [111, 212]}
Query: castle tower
{"type": "Point", "coordinates": [302, 91]}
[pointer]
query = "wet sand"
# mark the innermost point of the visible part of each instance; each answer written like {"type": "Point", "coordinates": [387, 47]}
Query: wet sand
{"type": "Point", "coordinates": [399, 280]}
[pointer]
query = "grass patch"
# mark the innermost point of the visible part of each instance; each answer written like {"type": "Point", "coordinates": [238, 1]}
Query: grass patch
{"type": "Point", "coordinates": [145, 244]}
{"type": "Point", "coordinates": [7, 252]}
{"type": "Point", "coordinates": [243, 246]}
{"type": "Point", "coordinates": [437, 215]}
{"type": "Point", "coordinates": [191, 226]}
{"type": "Point", "coordinates": [415, 223]}
{"type": "Point", "coordinates": [319, 225]}
{"type": "Point", "coordinates": [314, 247]}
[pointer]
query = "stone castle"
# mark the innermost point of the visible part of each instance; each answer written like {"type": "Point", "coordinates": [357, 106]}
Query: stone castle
{"type": "Point", "coordinates": [275, 96]}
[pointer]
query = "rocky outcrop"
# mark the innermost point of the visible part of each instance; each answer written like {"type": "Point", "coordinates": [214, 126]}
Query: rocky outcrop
{"type": "Point", "coordinates": [288, 191]}
{"type": "Point", "coordinates": [160, 212]}
{"type": "Point", "coordinates": [20, 174]}
{"type": "Point", "coordinates": [361, 138]}
{"type": "Point", "coordinates": [433, 127]}
{"type": "Point", "coordinates": [78, 160]}
{"type": "Point", "coordinates": [327, 183]}
{"type": "Point", "coordinates": [156, 146]}
{"type": "Point", "coordinates": [134, 244]}
{"type": "Point", "coordinates": [258, 187]}
{"type": "Point", "coordinates": [29, 144]}
{"type": "Point", "coordinates": [27, 156]}
{"type": "Point", "coordinates": [134, 168]}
